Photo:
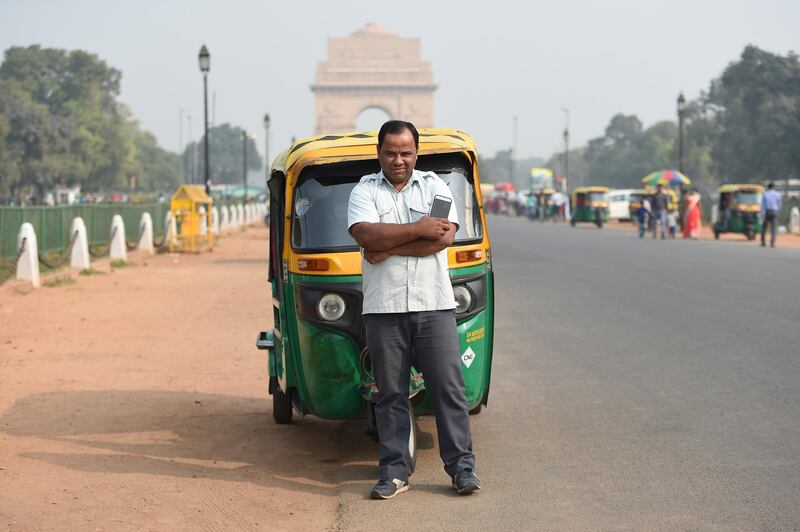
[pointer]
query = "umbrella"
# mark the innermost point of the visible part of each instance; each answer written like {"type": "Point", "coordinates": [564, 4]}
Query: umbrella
{"type": "Point", "coordinates": [666, 177]}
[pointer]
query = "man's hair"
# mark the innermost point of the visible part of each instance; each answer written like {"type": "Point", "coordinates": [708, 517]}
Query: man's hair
{"type": "Point", "coordinates": [770, 185]}
{"type": "Point", "coordinates": [397, 126]}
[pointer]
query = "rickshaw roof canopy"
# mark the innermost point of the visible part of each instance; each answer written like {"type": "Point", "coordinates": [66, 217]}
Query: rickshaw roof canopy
{"type": "Point", "coordinates": [431, 140]}
{"type": "Point", "coordinates": [733, 188]}
{"type": "Point", "coordinates": [193, 193]}
{"type": "Point", "coordinates": [583, 190]}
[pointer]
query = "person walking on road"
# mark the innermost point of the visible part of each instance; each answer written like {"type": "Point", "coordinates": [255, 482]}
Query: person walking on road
{"type": "Point", "coordinates": [691, 214]}
{"type": "Point", "coordinates": [409, 308]}
{"type": "Point", "coordinates": [643, 215]}
{"type": "Point", "coordinates": [770, 207]}
{"type": "Point", "coordinates": [660, 204]}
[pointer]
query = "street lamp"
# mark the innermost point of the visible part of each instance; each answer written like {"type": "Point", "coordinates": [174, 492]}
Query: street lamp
{"type": "Point", "coordinates": [245, 136]}
{"type": "Point", "coordinates": [205, 65]}
{"type": "Point", "coordinates": [266, 142]}
{"type": "Point", "coordinates": [681, 114]}
{"type": "Point", "coordinates": [566, 149]}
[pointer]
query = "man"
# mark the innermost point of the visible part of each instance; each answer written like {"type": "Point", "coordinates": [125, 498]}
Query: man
{"type": "Point", "coordinates": [659, 205]}
{"type": "Point", "coordinates": [408, 308]}
{"type": "Point", "coordinates": [770, 207]}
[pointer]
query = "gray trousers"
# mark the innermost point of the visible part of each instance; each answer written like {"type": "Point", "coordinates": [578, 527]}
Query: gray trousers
{"type": "Point", "coordinates": [432, 338]}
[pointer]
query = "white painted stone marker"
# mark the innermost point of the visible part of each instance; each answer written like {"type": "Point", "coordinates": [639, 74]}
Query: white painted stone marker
{"type": "Point", "coordinates": [28, 265]}
{"type": "Point", "coordinates": [215, 220]}
{"type": "Point", "coordinates": [79, 258]}
{"type": "Point", "coordinates": [794, 221]}
{"type": "Point", "coordinates": [146, 232]}
{"type": "Point", "coordinates": [117, 250]}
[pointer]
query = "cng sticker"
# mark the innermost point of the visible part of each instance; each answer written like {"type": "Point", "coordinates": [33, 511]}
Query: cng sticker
{"type": "Point", "coordinates": [468, 357]}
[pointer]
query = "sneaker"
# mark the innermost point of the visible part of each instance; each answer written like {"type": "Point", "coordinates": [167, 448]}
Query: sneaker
{"type": "Point", "coordinates": [386, 489]}
{"type": "Point", "coordinates": [465, 482]}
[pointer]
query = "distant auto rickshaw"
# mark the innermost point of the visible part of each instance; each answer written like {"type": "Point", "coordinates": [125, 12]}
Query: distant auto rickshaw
{"type": "Point", "coordinates": [544, 203]}
{"type": "Point", "coordinates": [590, 204]}
{"type": "Point", "coordinates": [318, 362]}
{"type": "Point", "coordinates": [739, 210]}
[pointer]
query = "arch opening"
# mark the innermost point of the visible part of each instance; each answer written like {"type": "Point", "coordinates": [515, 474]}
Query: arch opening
{"type": "Point", "coordinates": [372, 118]}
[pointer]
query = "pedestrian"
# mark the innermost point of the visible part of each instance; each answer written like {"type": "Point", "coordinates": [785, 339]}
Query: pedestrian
{"type": "Point", "coordinates": [558, 206]}
{"type": "Point", "coordinates": [531, 206]}
{"type": "Point", "coordinates": [691, 213]}
{"type": "Point", "coordinates": [672, 220]}
{"type": "Point", "coordinates": [770, 207]}
{"type": "Point", "coordinates": [660, 205]}
{"type": "Point", "coordinates": [642, 216]}
{"type": "Point", "coordinates": [408, 308]}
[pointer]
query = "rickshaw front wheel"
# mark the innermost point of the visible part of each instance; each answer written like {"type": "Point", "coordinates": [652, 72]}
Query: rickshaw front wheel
{"type": "Point", "coordinates": [281, 403]}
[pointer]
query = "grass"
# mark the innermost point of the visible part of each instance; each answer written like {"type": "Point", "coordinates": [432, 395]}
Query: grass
{"type": "Point", "coordinates": [119, 263]}
{"type": "Point", "coordinates": [59, 281]}
{"type": "Point", "coordinates": [91, 271]}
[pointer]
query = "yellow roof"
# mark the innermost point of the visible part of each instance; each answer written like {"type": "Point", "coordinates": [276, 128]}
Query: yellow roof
{"type": "Point", "coordinates": [195, 193]}
{"type": "Point", "coordinates": [361, 145]}
{"type": "Point", "coordinates": [746, 186]}
{"type": "Point", "coordinates": [591, 189]}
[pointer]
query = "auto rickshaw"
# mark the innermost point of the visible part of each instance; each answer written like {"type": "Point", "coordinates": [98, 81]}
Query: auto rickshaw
{"type": "Point", "coordinates": [638, 195]}
{"type": "Point", "coordinates": [739, 208]}
{"type": "Point", "coordinates": [544, 203]}
{"type": "Point", "coordinates": [318, 362]}
{"type": "Point", "coordinates": [590, 204]}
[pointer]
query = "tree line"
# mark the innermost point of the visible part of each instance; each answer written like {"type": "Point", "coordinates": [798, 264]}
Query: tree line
{"type": "Point", "coordinates": [61, 123]}
{"type": "Point", "coordinates": [744, 127]}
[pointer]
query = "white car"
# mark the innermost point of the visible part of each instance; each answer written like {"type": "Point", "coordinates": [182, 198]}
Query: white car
{"type": "Point", "coordinates": [618, 203]}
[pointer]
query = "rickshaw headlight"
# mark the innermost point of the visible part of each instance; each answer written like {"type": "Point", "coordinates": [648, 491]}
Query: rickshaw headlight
{"type": "Point", "coordinates": [463, 298]}
{"type": "Point", "coordinates": [331, 307]}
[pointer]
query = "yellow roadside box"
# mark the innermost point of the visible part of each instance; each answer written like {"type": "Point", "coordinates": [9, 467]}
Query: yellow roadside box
{"type": "Point", "coordinates": [191, 210]}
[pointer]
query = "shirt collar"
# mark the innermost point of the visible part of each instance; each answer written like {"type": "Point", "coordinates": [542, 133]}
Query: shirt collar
{"type": "Point", "coordinates": [416, 176]}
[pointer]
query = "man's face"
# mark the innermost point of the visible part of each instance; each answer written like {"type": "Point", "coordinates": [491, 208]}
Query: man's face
{"type": "Point", "coordinates": [397, 156]}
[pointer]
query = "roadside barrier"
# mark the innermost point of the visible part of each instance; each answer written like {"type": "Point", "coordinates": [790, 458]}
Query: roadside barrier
{"type": "Point", "coordinates": [215, 220]}
{"type": "Point", "coordinates": [794, 220]}
{"type": "Point", "coordinates": [12, 269]}
{"type": "Point", "coordinates": [118, 250]}
{"type": "Point", "coordinates": [240, 221]}
{"type": "Point", "coordinates": [79, 257]}
{"type": "Point", "coordinates": [145, 242]}
{"type": "Point", "coordinates": [224, 219]}
{"type": "Point", "coordinates": [64, 258]}
{"type": "Point", "coordinates": [28, 258]}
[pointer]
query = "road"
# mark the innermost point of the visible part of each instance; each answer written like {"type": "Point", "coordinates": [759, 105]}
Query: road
{"type": "Point", "coordinates": [637, 384]}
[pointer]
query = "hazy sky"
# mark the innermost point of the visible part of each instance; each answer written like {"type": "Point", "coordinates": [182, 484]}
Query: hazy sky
{"type": "Point", "coordinates": [491, 61]}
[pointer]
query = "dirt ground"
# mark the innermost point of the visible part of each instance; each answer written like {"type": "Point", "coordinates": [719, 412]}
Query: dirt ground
{"type": "Point", "coordinates": [136, 400]}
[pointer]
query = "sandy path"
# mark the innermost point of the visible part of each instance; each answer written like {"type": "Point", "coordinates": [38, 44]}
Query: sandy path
{"type": "Point", "coordinates": [136, 400]}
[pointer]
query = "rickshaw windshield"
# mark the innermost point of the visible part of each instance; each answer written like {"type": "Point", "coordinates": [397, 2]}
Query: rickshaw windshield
{"type": "Point", "coordinates": [319, 212]}
{"type": "Point", "coordinates": [598, 196]}
{"type": "Point", "coordinates": [747, 197]}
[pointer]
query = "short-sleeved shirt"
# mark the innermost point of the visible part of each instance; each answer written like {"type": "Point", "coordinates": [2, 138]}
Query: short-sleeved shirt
{"type": "Point", "coordinates": [399, 283]}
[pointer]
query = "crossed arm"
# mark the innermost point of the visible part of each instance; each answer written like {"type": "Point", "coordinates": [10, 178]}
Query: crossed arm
{"type": "Point", "coordinates": [419, 239]}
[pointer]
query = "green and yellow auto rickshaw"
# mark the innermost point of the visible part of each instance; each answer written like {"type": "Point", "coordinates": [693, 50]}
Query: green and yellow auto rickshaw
{"type": "Point", "coordinates": [318, 362]}
{"type": "Point", "coordinates": [739, 210]}
{"type": "Point", "coordinates": [590, 204]}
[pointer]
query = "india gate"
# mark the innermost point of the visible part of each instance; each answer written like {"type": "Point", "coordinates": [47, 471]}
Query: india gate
{"type": "Point", "coordinates": [372, 68]}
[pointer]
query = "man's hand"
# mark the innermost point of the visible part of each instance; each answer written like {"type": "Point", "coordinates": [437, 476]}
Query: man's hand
{"type": "Point", "coordinates": [432, 228]}
{"type": "Point", "coordinates": [374, 257]}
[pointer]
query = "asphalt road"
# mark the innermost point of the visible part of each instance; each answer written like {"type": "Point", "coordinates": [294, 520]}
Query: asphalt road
{"type": "Point", "coordinates": [637, 384]}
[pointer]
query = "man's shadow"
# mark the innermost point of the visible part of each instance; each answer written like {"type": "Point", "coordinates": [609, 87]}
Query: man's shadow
{"type": "Point", "coordinates": [184, 434]}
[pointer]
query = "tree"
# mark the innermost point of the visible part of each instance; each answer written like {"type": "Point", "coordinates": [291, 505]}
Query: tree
{"type": "Point", "coordinates": [225, 155]}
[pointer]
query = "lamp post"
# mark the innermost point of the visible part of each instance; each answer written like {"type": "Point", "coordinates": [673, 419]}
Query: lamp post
{"type": "Point", "coordinates": [266, 142]}
{"type": "Point", "coordinates": [205, 65]}
{"type": "Point", "coordinates": [681, 114]}
{"type": "Point", "coordinates": [566, 147]}
{"type": "Point", "coordinates": [245, 136]}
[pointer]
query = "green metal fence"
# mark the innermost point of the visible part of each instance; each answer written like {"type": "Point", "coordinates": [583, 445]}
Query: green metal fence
{"type": "Point", "coordinates": [52, 224]}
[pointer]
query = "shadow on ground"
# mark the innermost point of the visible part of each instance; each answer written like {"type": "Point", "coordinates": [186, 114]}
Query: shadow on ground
{"type": "Point", "coordinates": [183, 434]}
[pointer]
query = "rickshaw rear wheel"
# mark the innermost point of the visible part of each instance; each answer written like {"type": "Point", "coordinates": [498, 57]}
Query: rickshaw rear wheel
{"type": "Point", "coordinates": [751, 235]}
{"type": "Point", "coordinates": [281, 403]}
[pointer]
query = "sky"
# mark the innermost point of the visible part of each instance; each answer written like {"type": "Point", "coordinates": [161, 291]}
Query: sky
{"type": "Point", "coordinates": [492, 61]}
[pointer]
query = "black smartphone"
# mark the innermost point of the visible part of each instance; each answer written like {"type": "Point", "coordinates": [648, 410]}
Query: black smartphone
{"type": "Point", "coordinates": [441, 207]}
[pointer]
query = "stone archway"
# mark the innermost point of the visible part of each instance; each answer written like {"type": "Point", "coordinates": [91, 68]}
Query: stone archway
{"type": "Point", "coordinates": [373, 67]}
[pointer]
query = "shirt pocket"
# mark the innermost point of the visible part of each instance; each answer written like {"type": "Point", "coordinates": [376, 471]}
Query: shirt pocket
{"type": "Point", "coordinates": [418, 208]}
{"type": "Point", "coordinates": [386, 212]}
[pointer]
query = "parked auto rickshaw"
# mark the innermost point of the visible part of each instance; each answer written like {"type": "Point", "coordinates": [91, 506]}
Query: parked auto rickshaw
{"type": "Point", "coordinates": [544, 203]}
{"type": "Point", "coordinates": [590, 204]}
{"type": "Point", "coordinates": [636, 202]}
{"type": "Point", "coordinates": [739, 210]}
{"type": "Point", "coordinates": [318, 362]}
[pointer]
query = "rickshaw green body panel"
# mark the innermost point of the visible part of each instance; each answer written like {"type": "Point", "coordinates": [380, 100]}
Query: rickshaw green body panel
{"type": "Point", "coordinates": [322, 364]}
{"type": "Point", "coordinates": [583, 213]}
{"type": "Point", "coordinates": [739, 224]}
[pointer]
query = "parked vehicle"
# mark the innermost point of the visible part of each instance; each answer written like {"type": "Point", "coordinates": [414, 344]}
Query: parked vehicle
{"type": "Point", "coordinates": [619, 204]}
{"type": "Point", "coordinates": [590, 204]}
{"type": "Point", "coordinates": [318, 362]}
{"type": "Point", "coordinates": [739, 210]}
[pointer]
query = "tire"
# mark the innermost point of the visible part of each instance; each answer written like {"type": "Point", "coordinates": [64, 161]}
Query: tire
{"type": "Point", "coordinates": [572, 222]}
{"type": "Point", "coordinates": [751, 235]}
{"type": "Point", "coordinates": [716, 234]}
{"type": "Point", "coordinates": [281, 404]}
{"type": "Point", "coordinates": [477, 410]}
{"type": "Point", "coordinates": [412, 443]}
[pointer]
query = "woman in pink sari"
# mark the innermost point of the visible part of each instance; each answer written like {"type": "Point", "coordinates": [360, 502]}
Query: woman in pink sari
{"type": "Point", "coordinates": [691, 214]}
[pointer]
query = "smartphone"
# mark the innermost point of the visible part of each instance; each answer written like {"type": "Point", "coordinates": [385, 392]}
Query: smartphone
{"type": "Point", "coordinates": [441, 207]}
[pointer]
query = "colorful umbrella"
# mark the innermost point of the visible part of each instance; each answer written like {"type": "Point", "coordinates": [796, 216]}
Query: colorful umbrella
{"type": "Point", "coordinates": [666, 177]}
